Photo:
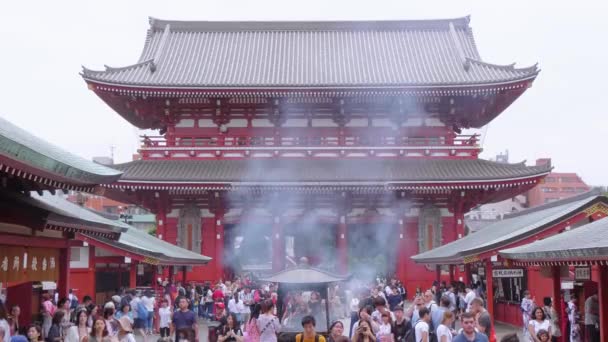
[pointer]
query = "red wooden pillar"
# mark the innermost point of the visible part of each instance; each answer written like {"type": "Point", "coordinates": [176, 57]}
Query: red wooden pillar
{"type": "Point", "coordinates": [451, 274]}
{"type": "Point", "coordinates": [161, 221]}
{"type": "Point", "coordinates": [438, 274]}
{"type": "Point", "coordinates": [63, 285]}
{"type": "Point", "coordinates": [603, 301]}
{"type": "Point", "coordinates": [184, 275]}
{"type": "Point", "coordinates": [172, 274]}
{"type": "Point", "coordinates": [401, 250]}
{"type": "Point", "coordinates": [133, 274]}
{"type": "Point", "coordinates": [219, 243]}
{"type": "Point", "coordinates": [490, 297]}
{"type": "Point", "coordinates": [278, 245]}
{"type": "Point", "coordinates": [467, 274]}
{"type": "Point", "coordinates": [558, 303]}
{"type": "Point", "coordinates": [154, 276]}
{"type": "Point", "coordinates": [342, 245]}
{"type": "Point", "coordinates": [92, 272]}
{"type": "Point", "coordinates": [459, 228]}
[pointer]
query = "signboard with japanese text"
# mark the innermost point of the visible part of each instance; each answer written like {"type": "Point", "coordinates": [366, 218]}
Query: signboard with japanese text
{"type": "Point", "coordinates": [28, 264]}
{"type": "Point", "coordinates": [508, 273]}
{"type": "Point", "coordinates": [582, 273]}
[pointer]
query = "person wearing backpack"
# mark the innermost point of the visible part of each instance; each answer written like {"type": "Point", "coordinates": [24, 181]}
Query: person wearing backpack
{"type": "Point", "coordinates": [421, 328]}
{"type": "Point", "coordinates": [309, 334]}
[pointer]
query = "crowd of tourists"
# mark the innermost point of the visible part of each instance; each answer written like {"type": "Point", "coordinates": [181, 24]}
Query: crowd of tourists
{"type": "Point", "coordinates": [542, 320]}
{"type": "Point", "coordinates": [245, 311]}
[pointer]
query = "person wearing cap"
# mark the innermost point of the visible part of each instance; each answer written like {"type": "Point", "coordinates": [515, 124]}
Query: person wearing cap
{"type": "Point", "coordinates": [401, 325]}
{"type": "Point", "coordinates": [125, 331]}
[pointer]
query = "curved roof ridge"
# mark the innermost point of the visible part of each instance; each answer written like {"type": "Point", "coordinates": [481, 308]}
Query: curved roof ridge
{"type": "Point", "coordinates": [510, 67]}
{"type": "Point", "coordinates": [584, 195]}
{"type": "Point", "coordinates": [127, 67]}
{"type": "Point", "coordinates": [320, 25]}
{"type": "Point", "coordinates": [109, 69]}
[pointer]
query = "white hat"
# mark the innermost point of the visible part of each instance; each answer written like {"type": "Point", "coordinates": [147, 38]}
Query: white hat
{"type": "Point", "coordinates": [109, 305]}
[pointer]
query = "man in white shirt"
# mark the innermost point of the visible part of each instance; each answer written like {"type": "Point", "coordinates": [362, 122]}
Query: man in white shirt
{"type": "Point", "coordinates": [421, 328]}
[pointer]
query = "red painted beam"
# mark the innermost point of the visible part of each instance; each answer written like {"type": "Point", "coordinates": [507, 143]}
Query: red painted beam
{"type": "Point", "coordinates": [109, 260]}
{"type": "Point", "coordinates": [32, 241]}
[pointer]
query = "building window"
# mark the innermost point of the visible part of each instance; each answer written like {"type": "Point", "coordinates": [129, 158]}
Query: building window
{"type": "Point", "coordinates": [568, 189]}
{"type": "Point", "coordinates": [549, 200]}
{"type": "Point", "coordinates": [79, 257]}
{"type": "Point", "coordinates": [549, 179]}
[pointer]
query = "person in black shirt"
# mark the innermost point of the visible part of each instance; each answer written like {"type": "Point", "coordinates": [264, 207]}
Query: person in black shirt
{"type": "Point", "coordinates": [401, 325]}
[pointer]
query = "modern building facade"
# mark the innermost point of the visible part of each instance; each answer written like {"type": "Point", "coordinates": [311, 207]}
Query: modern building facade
{"type": "Point", "coordinates": [556, 186]}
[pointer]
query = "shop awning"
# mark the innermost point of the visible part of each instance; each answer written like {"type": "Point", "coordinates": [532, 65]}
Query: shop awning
{"type": "Point", "coordinates": [24, 155]}
{"type": "Point", "coordinates": [141, 246]}
{"type": "Point", "coordinates": [587, 244]}
{"type": "Point", "coordinates": [514, 227]}
{"type": "Point", "coordinates": [56, 213]}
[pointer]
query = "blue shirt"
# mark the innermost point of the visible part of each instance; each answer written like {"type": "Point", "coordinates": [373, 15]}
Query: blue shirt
{"type": "Point", "coordinates": [479, 337]}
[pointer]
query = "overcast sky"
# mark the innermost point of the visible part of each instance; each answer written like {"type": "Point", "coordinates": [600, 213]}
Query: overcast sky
{"type": "Point", "coordinates": [563, 116]}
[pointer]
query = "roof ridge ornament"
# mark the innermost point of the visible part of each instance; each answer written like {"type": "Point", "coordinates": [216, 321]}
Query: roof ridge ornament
{"type": "Point", "coordinates": [161, 48]}
{"type": "Point", "coordinates": [466, 63]}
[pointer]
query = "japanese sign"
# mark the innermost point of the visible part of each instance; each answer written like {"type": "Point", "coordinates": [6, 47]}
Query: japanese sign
{"type": "Point", "coordinates": [508, 273]}
{"type": "Point", "coordinates": [28, 264]}
{"type": "Point", "coordinates": [582, 273]}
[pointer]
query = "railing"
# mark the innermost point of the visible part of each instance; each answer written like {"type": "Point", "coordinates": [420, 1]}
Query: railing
{"type": "Point", "coordinates": [154, 142]}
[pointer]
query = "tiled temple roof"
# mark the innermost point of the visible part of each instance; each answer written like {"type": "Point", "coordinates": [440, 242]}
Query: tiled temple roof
{"type": "Point", "coordinates": [364, 54]}
{"type": "Point", "coordinates": [23, 152]}
{"type": "Point", "coordinates": [323, 170]}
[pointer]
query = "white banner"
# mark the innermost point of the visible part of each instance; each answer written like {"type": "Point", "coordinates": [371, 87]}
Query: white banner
{"type": "Point", "coordinates": [508, 273]}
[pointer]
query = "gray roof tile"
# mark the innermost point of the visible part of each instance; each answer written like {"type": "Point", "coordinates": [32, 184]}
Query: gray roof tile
{"type": "Point", "coordinates": [305, 275]}
{"type": "Point", "coordinates": [334, 171]}
{"type": "Point", "coordinates": [581, 244]}
{"type": "Point", "coordinates": [310, 54]}
{"type": "Point", "coordinates": [514, 227]}
{"type": "Point", "coordinates": [18, 145]}
{"type": "Point", "coordinates": [140, 242]}
{"type": "Point", "coordinates": [65, 214]}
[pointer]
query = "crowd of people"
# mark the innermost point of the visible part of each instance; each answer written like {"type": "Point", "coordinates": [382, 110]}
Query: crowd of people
{"type": "Point", "coordinates": [245, 311]}
{"type": "Point", "coordinates": [542, 321]}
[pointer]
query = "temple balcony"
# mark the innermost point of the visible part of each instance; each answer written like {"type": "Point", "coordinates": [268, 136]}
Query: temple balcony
{"type": "Point", "coordinates": [461, 146]}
